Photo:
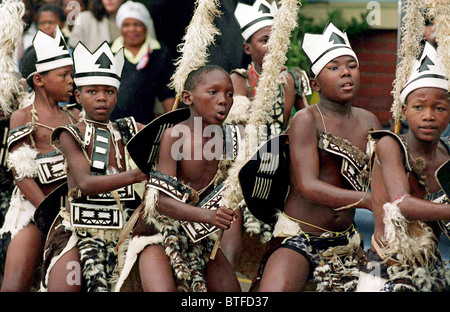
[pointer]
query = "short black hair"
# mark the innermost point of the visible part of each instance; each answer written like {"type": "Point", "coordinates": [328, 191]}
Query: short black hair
{"type": "Point", "coordinates": [195, 76]}
{"type": "Point", "coordinates": [50, 7]}
{"type": "Point", "coordinates": [28, 66]}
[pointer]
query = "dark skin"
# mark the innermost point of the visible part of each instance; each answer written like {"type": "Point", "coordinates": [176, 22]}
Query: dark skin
{"type": "Point", "coordinates": [427, 113]}
{"type": "Point", "coordinates": [257, 49]}
{"type": "Point", "coordinates": [317, 186]}
{"type": "Point", "coordinates": [211, 99]}
{"type": "Point", "coordinates": [134, 34]}
{"type": "Point", "coordinates": [25, 249]}
{"type": "Point", "coordinates": [98, 101]}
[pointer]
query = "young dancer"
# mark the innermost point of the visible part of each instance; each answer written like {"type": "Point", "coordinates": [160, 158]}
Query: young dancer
{"type": "Point", "coordinates": [315, 236]}
{"type": "Point", "coordinates": [170, 256]}
{"type": "Point", "coordinates": [407, 199]}
{"type": "Point", "coordinates": [99, 180]}
{"type": "Point", "coordinates": [37, 167]}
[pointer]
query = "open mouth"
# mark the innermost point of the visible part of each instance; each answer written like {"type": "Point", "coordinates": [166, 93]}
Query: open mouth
{"type": "Point", "coordinates": [347, 86]}
{"type": "Point", "coordinates": [221, 115]}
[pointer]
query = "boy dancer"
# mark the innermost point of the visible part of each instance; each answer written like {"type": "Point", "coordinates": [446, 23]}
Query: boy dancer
{"type": "Point", "coordinates": [315, 236]}
{"type": "Point", "coordinates": [37, 167]}
{"type": "Point", "coordinates": [166, 257]}
{"type": "Point", "coordinates": [98, 176]}
{"type": "Point", "coordinates": [406, 195]}
{"type": "Point", "coordinates": [256, 25]}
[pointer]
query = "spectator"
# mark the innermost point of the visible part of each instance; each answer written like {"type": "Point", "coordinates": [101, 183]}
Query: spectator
{"type": "Point", "coordinates": [97, 24]}
{"type": "Point", "coordinates": [147, 69]}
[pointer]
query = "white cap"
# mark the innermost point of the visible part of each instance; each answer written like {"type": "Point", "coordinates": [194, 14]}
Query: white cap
{"type": "Point", "coordinates": [99, 68]}
{"type": "Point", "coordinates": [252, 18]}
{"type": "Point", "coordinates": [323, 48]}
{"type": "Point", "coordinates": [51, 52]}
{"type": "Point", "coordinates": [134, 10]}
{"type": "Point", "coordinates": [427, 71]}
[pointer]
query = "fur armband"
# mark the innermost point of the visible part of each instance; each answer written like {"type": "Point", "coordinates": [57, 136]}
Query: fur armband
{"type": "Point", "coordinates": [23, 160]}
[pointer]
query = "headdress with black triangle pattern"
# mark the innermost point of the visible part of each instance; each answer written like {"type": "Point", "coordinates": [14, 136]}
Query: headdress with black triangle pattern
{"type": "Point", "coordinates": [99, 68]}
{"type": "Point", "coordinates": [322, 48]}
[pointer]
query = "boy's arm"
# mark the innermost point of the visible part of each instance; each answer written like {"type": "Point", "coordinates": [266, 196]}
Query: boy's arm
{"type": "Point", "coordinates": [306, 167]}
{"type": "Point", "coordinates": [81, 173]}
{"type": "Point", "coordinates": [178, 210]}
{"type": "Point", "coordinates": [28, 186]}
{"type": "Point", "coordinates": [396, 183]}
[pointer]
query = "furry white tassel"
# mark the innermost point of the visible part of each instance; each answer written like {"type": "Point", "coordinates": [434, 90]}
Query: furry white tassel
{"type": "Point", "coordinates": [407, 241]}
{"type": "Point", "coordinates": [151, 200]}
{"type": "Point", "coordinates": [194, 49]}
{"type": "Point", "coordinates": [11, 29]}
{"type": "Point", "coordinates": [23, 160]}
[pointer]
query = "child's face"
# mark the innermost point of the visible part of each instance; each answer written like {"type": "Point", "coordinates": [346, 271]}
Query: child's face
{"type": "Point", "coordinates": [338, 81]}
{"type": "Point", "coordinates": [58, 83]}
{"type": "Point", "coordinates": [47, 22]}
{"type": "Point", "coordinates": [97, 100]}
{"type": "Point", "coordinates": [212, 97]}
{"type": "Point", "coordinates": [427, 112]}
{"type": "Point", "coordinates": [257, 48]}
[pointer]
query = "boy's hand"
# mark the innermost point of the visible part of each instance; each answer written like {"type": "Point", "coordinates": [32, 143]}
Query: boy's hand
{"type": "Point", "coordinates": [223, 217]}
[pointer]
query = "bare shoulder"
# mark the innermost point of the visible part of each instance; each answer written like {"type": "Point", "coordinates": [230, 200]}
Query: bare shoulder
{"type": "Point", "coordinates": [304, 122]}
{"type": "Point", "coordinates": [239, 84]}
{"type": "Point", "coordinates": [20, 117]}
{"type": "Point", "coordinates": [387, 145]}
{"type": "Point", "coordinates": [367, 117]}
{"type": "Point", "coordinates": [306, 115]}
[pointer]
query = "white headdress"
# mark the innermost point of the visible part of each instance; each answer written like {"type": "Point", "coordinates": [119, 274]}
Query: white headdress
{"type": "Point", "coordinates": [136, 10]}
{"type": "Point", "coordinates": [252, 18]}
{"type": "Point", "coordinates": [99, 68]}
{"type": "Point", "coordinates": [427, 71]}
{"type": "Point", "coordinates": [322, 48]}
{"type": "Point", "coordinates": [51, 52]}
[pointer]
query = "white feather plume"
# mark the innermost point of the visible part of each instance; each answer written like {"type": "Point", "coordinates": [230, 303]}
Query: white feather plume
{"type": "Point", "coordinates": [194, 49]}
{"type": "Point", "coordinates": [11, 29]}
{"type": "Point", "coordinates": [284, 22]}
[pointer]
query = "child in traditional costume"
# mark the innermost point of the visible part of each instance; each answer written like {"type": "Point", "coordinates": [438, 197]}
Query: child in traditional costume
{"type": "Point", "coordinates": [256, 23]}
{"type": "Point", "coordinates": [37, 167]}
{"type": "Point", "coordinates": [407, 197]}
{"type": "Point", "coordinates": [176, 229]}
{"type": "Point", "coordinates": [315, 237]}
{"type": "Point", "coordinates": [99, 179]}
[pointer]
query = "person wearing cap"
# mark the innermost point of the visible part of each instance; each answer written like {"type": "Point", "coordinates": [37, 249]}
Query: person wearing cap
{"type": "Point", "coordinates": [314, 237]}
{"type": "Point", "coordinates": [256, 23]}
{"type": "Point", "coordinates": [99, 179]}
{"type": "Point", "coordinates": [407, 197]}
{"type": "Point", "coordinates": [37, 167]}
{"type": "Point", "coordinates": [147, 69]}
{"type": "Point", "coordinates": [97, 24]}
